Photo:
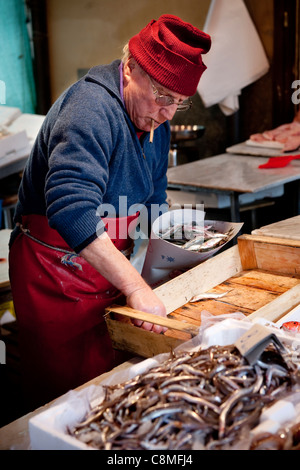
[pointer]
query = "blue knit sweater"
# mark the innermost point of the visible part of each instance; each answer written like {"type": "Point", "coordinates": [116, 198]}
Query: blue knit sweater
{"type": "Point", "coordinates": [87, 153]}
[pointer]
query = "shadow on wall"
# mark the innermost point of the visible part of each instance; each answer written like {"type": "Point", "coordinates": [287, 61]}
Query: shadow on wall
{"type": "Point", "coordinates": [215, 138]}
{"type": "Point", "coordinates": [254, 115]}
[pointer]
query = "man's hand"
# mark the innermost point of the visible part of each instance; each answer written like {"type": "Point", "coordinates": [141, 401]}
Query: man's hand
{"type": "Point", "coordinates": [117, 269]}
{"type": "Point", "coordinates": [145, 300]}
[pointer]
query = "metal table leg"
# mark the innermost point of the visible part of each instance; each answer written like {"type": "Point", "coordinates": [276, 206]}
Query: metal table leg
{"type": "Point", "coordinates": [235, 207]}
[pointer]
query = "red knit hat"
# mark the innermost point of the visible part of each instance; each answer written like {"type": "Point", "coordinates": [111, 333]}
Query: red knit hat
{"type": "Point", "coordinates": [169, 50]}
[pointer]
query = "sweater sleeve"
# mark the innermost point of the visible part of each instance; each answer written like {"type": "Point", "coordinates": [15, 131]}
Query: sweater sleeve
{"type": "Point", "coordinates": [80, 146]}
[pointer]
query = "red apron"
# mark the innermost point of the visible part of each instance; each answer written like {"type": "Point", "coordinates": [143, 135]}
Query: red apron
{"type": "Point", "coordinates": [59, 301]}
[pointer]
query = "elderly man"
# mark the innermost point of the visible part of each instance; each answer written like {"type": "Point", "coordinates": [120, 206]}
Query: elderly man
{"type": "Point", "coordinates": [106, 137]}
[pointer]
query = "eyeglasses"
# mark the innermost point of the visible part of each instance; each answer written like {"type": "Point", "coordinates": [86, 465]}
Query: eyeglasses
{"type": "Point", "coordinates": [166, 100]}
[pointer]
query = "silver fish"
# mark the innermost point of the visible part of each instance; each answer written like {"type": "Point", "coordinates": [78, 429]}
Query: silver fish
{"type": "Point", "coordinates": [194, 237]}
{"type": "Point", "coordinates": [207, 295]}
{"type": "Point", "coordinates": [206, 398]}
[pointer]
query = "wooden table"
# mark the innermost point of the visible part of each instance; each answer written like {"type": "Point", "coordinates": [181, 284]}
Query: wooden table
{"type": "Point", "coordinates": [289, 228]}
{"type": "Point", "coordinates": [234, 175]}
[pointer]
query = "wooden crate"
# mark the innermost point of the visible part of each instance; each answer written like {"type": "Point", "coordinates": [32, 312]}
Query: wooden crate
{"type": "Point", "coordinates": [261, 276]}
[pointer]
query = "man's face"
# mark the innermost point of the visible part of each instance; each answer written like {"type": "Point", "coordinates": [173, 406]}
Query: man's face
{"type": "Point", "coordinates": [140, 99]}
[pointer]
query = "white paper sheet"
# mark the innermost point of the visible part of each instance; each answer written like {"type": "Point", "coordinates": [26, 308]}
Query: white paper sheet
{"type": "Point", "coordinates": [237, 57]}
{"type": "Point", "coordinates": [163, 257]}
{"type": "Point", "coordinates": [8, 115]}
{"type": "Point", "coordinates": [31, 123]}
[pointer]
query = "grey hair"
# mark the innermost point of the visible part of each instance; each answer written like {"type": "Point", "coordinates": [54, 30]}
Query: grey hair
{"type": "Point", "coordinates": [126, 53]}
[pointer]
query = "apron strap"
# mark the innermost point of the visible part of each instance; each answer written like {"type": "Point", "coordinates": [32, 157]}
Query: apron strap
{"type": "Point", "coordinates": [26, 232]}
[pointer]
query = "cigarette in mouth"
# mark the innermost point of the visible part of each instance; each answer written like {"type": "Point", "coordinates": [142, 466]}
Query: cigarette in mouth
{"type": "Point", "coordinates": [151, 131]}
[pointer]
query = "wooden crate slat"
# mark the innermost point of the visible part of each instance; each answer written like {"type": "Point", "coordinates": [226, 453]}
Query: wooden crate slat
{"type": "Point", "coordinates": [247, 253]}
{"type": "Point", "coordinates": [156, 319]}
{"type": "Point", "coordinates": [270, 254]}
{"type": "Point", "coordinates": [202, 278]}
{"type": "Point", "coordinates": [127, 337]}
{"type": "Point", "coordinates": [283, 304]}
{"type": "Point", "coordinates": [262, 279]}
{"type": "Point", "coordinates": [265, 280]}
{"type": "Point", "coordinates": [283, 259]}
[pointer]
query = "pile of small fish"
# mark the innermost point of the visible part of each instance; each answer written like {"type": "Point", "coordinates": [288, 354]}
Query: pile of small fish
{"type": "Point", "coordinates": [195, 400]}
{"type": "Point", "coordinates": [193, 237]}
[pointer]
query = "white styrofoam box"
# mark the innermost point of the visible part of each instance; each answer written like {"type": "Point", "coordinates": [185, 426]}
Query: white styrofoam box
{"type": "Point", "coordinates": [265, 426]}
{"type": "Point", "coordinates": [48, 429]}
{"type": "Point", "coordinates": [31, 123]}
{"type": "Point", "coordinates": [47, 432]}
{"type": "Point", "coordinates": [281, 412]}
{"type": "Point", "coordinates": [225, 332]}
{"type": "Point", "coordinates": [218, 200]}
{"type": "Point", "coordinates": [13, 142]}
{"type": "Point", "coordinates": [287, 337]}
{"type": "Point", "coordinates": [8, 115]}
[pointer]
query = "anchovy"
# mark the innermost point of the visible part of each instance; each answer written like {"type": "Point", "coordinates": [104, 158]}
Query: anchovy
{"type": "Point", "coordinates": [227, 406]}
{"type": "Point", "coordinates": [208, 295]}
{"type": "Point", "coordinates": [205, 399]}
{"type": "Point", "coordinates": [208, 245]}
{"type": "Point", "coordinates": [196, 238]}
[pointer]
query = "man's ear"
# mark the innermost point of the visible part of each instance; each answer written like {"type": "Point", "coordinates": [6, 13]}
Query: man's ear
{"type": "Point", "coordinates": [130, 62]}
{"type": "Point", "coordinates": [128, 68]}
